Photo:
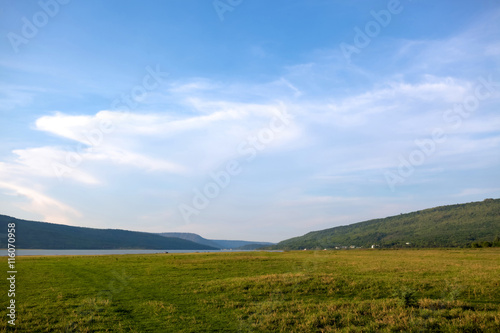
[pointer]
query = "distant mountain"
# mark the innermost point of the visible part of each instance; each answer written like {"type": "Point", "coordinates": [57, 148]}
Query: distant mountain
{"type": "Point", "coordinates": [42, 235]}
{"type": "Point", "coordinates": [221, 244]}
{"type": "Point", "coordinates": [239, 244]}
{"type": "Point", "coordinates": [254, 246]}
{"type": "Point", "coordinates": [191, 237]}
{"type": "Point", "coordinates": [446, 226]}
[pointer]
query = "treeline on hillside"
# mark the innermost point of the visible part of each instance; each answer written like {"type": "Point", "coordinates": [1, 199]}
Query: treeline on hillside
{"type": "Point", "coordinates": [460, 225]}
{"type": "Point", "coordinates": [495, 243]}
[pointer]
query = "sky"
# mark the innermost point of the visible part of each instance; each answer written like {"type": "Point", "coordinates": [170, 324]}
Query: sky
{"type": "Point", "coordinates": [237, 119]}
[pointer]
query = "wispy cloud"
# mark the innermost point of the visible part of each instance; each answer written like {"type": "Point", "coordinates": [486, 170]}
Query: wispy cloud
{"type": "Point", "coordinates": [13, 96]}
{"type": "Point", "coordinates": [48, 208]}
{"type": "Point", "coordinates": [43, 162]}
{"type": "Point", "coordinates": [212, 134]}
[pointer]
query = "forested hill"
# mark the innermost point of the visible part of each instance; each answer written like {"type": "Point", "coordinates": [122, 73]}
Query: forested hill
{"type": "Point", "coordinates": [446, 226]}
{"type": "Point", "coordinates": [42, 235]}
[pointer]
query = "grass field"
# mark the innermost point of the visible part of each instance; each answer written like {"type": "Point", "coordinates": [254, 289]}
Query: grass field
{"type": "Point", "coordinates": [306, 291]}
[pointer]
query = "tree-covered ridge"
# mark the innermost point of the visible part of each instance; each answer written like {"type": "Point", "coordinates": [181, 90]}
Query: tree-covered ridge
{"type": "Point", "coordinates": [457, 225]}
{"type": "Point", "coordinates": [42, 235]}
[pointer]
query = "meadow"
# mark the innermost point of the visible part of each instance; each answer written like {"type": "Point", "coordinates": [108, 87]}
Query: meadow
{"type": "Point", "coordinates": [437, 290]}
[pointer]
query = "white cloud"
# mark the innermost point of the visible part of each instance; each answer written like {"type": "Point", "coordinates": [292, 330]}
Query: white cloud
{"type": "Point", "coordinates": [191, 86]}
{"type": "Point", "coordinates": [137, 160]}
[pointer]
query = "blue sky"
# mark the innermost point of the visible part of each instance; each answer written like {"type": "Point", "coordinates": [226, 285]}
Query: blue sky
{"type": "Point", "coordinates": [257, 120]}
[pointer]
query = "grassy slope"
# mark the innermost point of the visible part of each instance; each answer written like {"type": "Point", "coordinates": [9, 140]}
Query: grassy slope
{"type": "Point", "coordinates": [304, 291]}
{"type": "Point", "coordinates": [446, 226]}
{"type": "Point", "coordinates": [41, 235]}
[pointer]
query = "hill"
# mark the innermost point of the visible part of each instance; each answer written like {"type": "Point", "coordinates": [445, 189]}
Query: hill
{"type": "Point", "coordinates": [43, 235]}
{"type": "Point", "coordinates": [218, 243]}
{"type": "Point", "coordinates": [446, 226]}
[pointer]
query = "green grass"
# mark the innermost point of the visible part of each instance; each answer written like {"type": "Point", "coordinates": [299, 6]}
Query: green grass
{"type": "Point", "coordinates": [307, 291]}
